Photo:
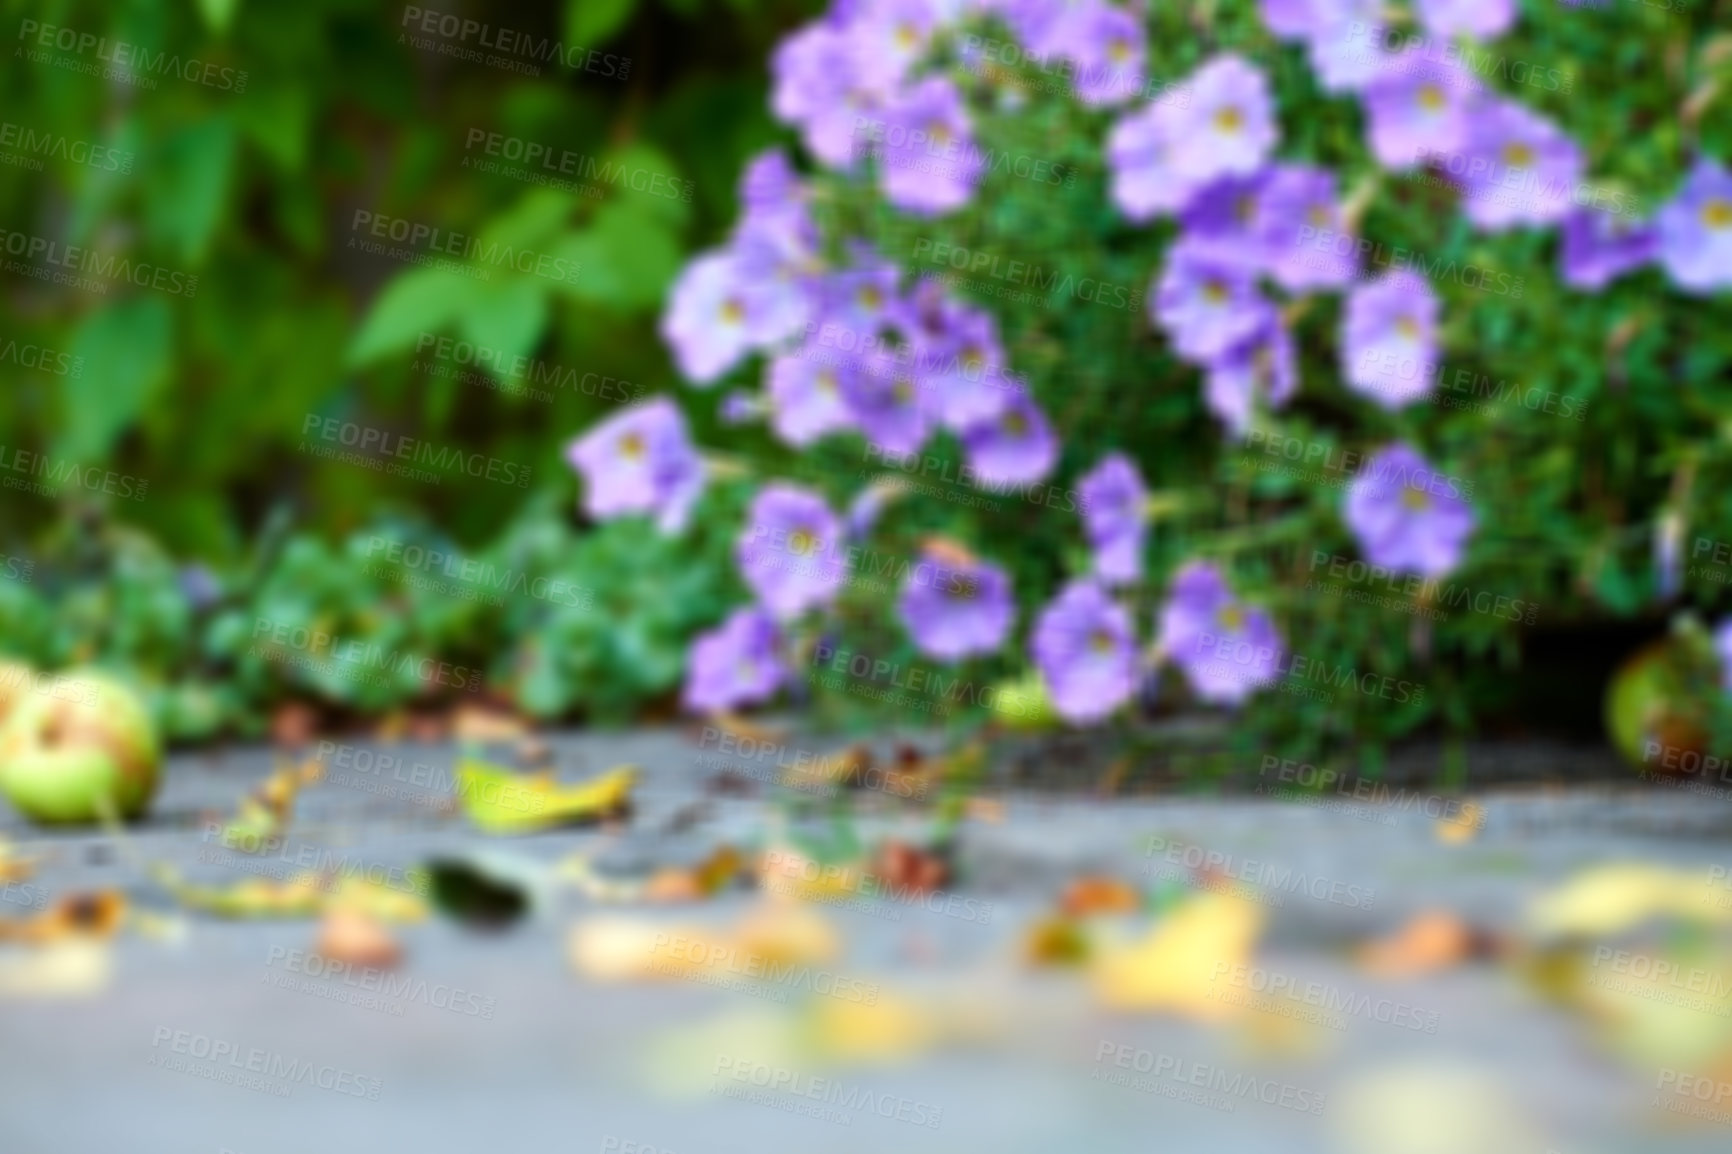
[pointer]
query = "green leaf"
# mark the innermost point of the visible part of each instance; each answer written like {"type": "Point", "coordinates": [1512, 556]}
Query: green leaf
{"type": "Point", "coordinates": [415, 303]}
{"type": "Point", "coordinates": [508, 319]}
{"type": "Point", "coordinates": [218, 14]}
{"type": "Point", "coordinates": [534, 219]}
{"type": "Point", "coordinates": [590, 22]}
{"type": "Point", "coordinates": [649, 180]}
{"type": "Point", "coordinates": [627, 257]}
{"type": "Point", "coordinates": [278, 120]}
{"type": "Point", "coordinates": [126, 357]}
{"type": "Point", "coordinates": [189, 186]}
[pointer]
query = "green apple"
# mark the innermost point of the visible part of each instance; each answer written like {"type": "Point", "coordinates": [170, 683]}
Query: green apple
{"type": "Point", "coordinates": [1650, 714]}
{"type": "Point", "coordinates": [16, 680]}
{"type": "Point", "coordinates": [76, 746]}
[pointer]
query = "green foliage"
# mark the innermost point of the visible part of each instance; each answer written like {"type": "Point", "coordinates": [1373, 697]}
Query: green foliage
{"type": "Point", "coordinates": [234, 195]}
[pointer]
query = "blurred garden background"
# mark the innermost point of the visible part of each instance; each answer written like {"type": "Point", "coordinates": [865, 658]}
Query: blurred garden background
{"type": "Point", "coordinates": [255, 171]}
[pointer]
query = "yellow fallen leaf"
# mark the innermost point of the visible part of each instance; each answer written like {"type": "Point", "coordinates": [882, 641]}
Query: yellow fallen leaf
{"type": "Point", "coordinates": [769, 939]}
{"type": "Point", "coordinates": [1653, 1006]}
{"type": "Point", "coordinates": [1175, 966]}
{"type": "Point", "coordinates": [1463, 826]}
{"type": "Point", "coordinates": [788, 935]}
{"type": "Point", "coordinates": [1431, 1108]}
{"type": "Point", "coordinates": [14, 866]}
{"type": "Point", "coordinates": [738, 727]}
{"type": "Point", "coordinates": [624, 949]}
{"type": "Point", "coordinates": [486, 725]}
{"type": "Point", "coordinates": [502, 801]}
{"type": "Point", "coordinates": [784, 872]}
{"type": "Point", "coordinates": [830, 770]}
{"type": "Point", "coordinates": [265, 813]}
{"type": "Point", "coordinates": [70, 969]}
{"type": "Point", "coordinates": [890, 1030]}
{"type": "Point", "coordinates": [1056, 941]}
{"type": "Point", "coordinates": [302, 896]}
{"type": "Point", "coordinates": [1610, 899]}
{"type": "Point", "coordinates": [88, 915]}
{"type": "Point", "coordinates": [406, 903]}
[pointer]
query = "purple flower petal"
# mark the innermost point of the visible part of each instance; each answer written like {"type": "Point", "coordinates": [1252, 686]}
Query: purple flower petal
{"type": "Point", "coordinates": [1085, 648]}
{"type": "Point", "coordinates": [1408, 517]}
{"type": "Point", "coordinates": [1115, 518]}
{"type": "Point", "coordinates": [790, 552]}
{"type": "Point", "coordinates": [1228, 650]}
{"type": "Point", "coordinates": [735, 664]}
{"type": "Point", "coordinates": [953, 612]}
{"type": "Point", "coordinates": [1389, 340]}
{"type": "Point", "coordinates": [1695, 230]}
{"type": "Point", "coordinates": [640, 460]}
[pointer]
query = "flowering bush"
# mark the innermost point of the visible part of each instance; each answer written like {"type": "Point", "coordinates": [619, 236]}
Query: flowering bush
{"type": "Point", "coordinates": [1299, 358]}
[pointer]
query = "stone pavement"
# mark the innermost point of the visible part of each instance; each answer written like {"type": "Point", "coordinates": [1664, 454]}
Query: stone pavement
{"type": "Point", "coordinates": [561, 1063]}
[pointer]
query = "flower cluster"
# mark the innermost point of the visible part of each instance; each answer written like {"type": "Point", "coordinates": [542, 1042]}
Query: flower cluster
{"type": "Point", "coordinates": [853, 348]}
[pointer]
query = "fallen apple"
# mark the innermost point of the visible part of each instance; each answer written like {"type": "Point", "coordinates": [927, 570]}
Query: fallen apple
{"type": "Point", "coordinates": [78, 746]}
{"type": "Point", "coordinates": [1650, 713]}
{"type": "Point", "coordinates": [16, 680]}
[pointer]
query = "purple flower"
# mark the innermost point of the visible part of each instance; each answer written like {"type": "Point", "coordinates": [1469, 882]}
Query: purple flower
{"type": "Point", "coordinates": [1723, 646]}
{"type": "Point", "coordinates": [890, 405]}
{"type": "Point", "coordinates": [775, 249]}
{"type": "Point", "coordinates": [1519, 167]}
{"type": "Point", "coordinates": [928, 162]}
{"type": "Point", "coordinates": [1043, 26]}
{"type": "Point", "coordinates": [1480, 19]}
{"type": "Point", "coordinates": [961, 366]}
{"type": "Point", "coordinates": [1261, 368]}
{"type": "Point", "coordinates": [1115, 518]}
{"type": "Point", "coordinates": [773, 194]}
{"type": "Point", "coordinates": [1141, 154]}
{"type": "Point", "coordinates": [1226, 221]}
{"type": "Point", "coordinates": [1600, 246]}
{"type": "Point", "coordinates": [1288, 19]}
{"type": "Point", "coordinates": [1205, 304]}
{"type": "Point", "coordinates": [955, 611]}
{"type": "Point", "coordinates": [892, 35]}
{"type": "Point", "coordinates": [1407, 517]}
{"type": "Point", "coordinates": [789, 552]}
{"type": "Point", "coordinates": [861, 296]}
{"type": "Point", "coordinates": [1417, 106]}
{"type": "Point", "coordinates": [1228, 650]}
{"type": "Point", "coordinates": [1085, 648]}
{"type": "Point", "coordinates": [806, 394]}
{"type": "Point", "coordinates": [640, 460]}
{"type": "Point", "coordinates": [1695, 230]}
{"type": "Point", "coordinates": [1229, 124]}
{"type": "Point", "coordinates": [734, 664]}
{"type": "Point", "coordinates": [1106, 45]}
{"type": "Point", "coordinates": [1300, 221]}
{"type": "Point", "coordinates": [1345, 44]}
{"type": "Point", "coordinates": [820, 87]}
{"type": "Point", "coordinates": [707, 317]}
{"type": "Point", "coordinates": [1015, 447]}
{"type": "Point", "coordinates": [1389, 342]}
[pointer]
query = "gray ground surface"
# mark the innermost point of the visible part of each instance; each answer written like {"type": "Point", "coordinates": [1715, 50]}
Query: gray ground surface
{"type": "Point", "coordinates": [565, 1064]}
